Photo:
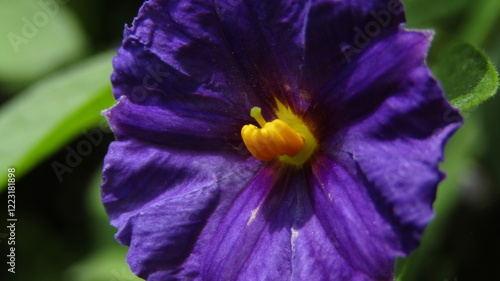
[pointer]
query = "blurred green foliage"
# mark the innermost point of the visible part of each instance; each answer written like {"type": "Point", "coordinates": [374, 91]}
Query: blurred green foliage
{"type": "Point", "coordinates": [36, 39]}
{"type": "Point", "coordinates": [53, 111]}
{"type": "Point", "coordinates": [54, 83]}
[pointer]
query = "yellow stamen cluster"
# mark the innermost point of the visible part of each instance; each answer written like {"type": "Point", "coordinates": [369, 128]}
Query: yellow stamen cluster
{"type": "Point", "coordinates": [275, 138]}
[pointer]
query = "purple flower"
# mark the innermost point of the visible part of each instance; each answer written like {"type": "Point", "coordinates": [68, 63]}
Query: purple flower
{"type": "Point", "coordinates": [347, 184]}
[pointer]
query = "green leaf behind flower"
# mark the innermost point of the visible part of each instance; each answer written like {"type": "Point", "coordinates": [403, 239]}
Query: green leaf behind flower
{"type": "Point", "coordinates": [467, 75]}
{"type": "Point", "coordinates": [40, 120]}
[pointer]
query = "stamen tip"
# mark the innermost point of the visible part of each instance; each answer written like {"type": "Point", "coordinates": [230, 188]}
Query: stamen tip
{"type": "Point", "coordinates": [255, 111]}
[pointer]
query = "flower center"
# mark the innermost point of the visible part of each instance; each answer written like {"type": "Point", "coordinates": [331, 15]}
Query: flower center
{"type": "Point", "coordinates": [286, 137]}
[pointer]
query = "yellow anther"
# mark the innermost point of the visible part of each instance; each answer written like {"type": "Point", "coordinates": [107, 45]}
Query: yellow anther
{"type": "Point", "coordinates": [275, 138]}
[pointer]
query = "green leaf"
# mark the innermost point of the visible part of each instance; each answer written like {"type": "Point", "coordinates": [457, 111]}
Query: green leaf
{"type": "Point", "coordinates": [467, 75]}
{"type": "Point", "coordinates": [37, 37]}
{"type": "Point", "coordinates": [46, 116]}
